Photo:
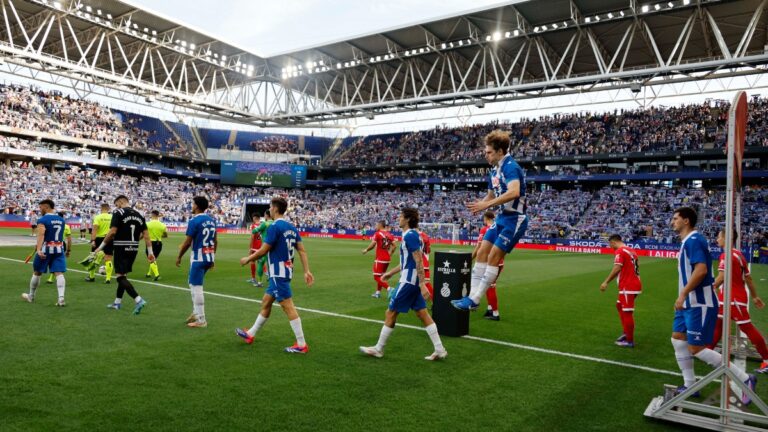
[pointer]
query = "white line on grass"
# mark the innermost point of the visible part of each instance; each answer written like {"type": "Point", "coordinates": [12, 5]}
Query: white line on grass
{"type": "Point", "coordinates": [408, 326]}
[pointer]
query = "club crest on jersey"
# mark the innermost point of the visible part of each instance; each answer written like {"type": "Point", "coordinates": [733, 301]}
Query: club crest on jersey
{"type": "Point", "coordinates": [495, 181]}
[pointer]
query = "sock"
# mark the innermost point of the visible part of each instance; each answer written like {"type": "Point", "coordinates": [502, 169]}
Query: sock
{"type": "Point", "coordinates": [253, 270]}
{"type": "Point", "coordinates": [493, 301]}
{"type": "Point", "coordinates": [33, 284]}
{"type": "Point", "coordinates": [431, 290]}
{"type": "Point", "coordinates": [435, 337]}
{"type": "Point", "coordinates": [260, 321]}
{"type": "Point", "coordinates": [260, 269]}
{"type": "Point", "coordinates": [192, 296]}
{"type": "Point", "coordinates": [118, 300]}
{"type": "Point", "coordinates": [110, 269]}
{"type": "Point", "coordinates": [717, 335]}
{"type": "Point", "coordinates": [92, 271]}
{"type": "Point", "coordinates": [491, 273]}
{"type": "Point", "coordinates": [61, 285]}
{"type": "Point", "coordinates": [477, 275]}
{"type": "Point", "coordinates": [50, 278]}
{"type": "Point", "coordinates": [756, 338]}
{"type": "Point", "coordinates": [627, 319]}
{"type": "Point", "coordinates": [124, 285]}
{"type": "Point", "coordinates": [298, 331]}
{"type": "Point", "coordinates": [685, 361]}
{"type": "Point", "coordinates": [199, 302]}
{"type": "Point", "coordinates": [383, 336]}
{"type": "Point", "coordinates": [714, 358]}
{"type": "Point", "coordinates": [154, 269]}
{"type": "Point", "coordinates": [380, 284]}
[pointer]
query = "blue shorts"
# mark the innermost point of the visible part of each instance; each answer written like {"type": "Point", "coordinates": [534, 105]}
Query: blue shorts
{"type": "Point", "coordinates": [507, 231]}
{"type": "Point", "coordinates": [51, 264]}
{"type": "Point", "coordinates": [698, 323]}
{"type": "Point", "coordinates": [197, 272]}
{"type": "Point", "coordinates": [406, 297]}
{"type": "Point", "coordinates": [280, 289]}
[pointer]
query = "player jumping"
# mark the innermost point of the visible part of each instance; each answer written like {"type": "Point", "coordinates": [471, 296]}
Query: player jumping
{"type": "Point", "coordinates": [201, 235]}
{"type": "Point", "coordinates": [506, 189]}
{"type": "Point", "coordinates": [739, 301]}
{"type": "Point", "coordinates": [279, 244]}
{"type": "Point", "coordinates": [493, 301]}
{"type": "Point", "coordinates": [627, 268]}
{"type": "Point", "coordinates": [411, 292]}
{"type": "Point", "coordinates": [695, 307]}
{"type": "Point", "coordinates": [50, 254]}
{"type": "Point", "coordinates": [384, 242]}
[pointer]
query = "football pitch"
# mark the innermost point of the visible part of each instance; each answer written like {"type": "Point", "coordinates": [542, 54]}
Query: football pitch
{"type": "Point", "coordinates": [549, 364]}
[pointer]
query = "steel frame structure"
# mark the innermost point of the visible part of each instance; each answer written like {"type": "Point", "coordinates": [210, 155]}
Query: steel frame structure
{"type": "Point", "coordinates": [632, 45]}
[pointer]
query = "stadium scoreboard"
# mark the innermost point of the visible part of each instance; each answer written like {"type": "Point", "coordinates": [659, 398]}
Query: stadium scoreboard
{"type": "Point", "coordinates": [263, 174]}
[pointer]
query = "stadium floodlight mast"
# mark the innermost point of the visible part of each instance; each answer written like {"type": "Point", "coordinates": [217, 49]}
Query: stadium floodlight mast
{"type": "Point", "coordinates": [728, 416]}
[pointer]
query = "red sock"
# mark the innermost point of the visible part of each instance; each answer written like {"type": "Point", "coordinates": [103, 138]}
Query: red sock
{"type": "Point", "coordinates": [253, 270]}
{"type": "Point", "coordinates": [379, 283]}
{"type": "Point", "coordinates": [430, 289]}
{"type": "Point", "coordinates": [493, 301]}
{"type": "Point", "coordinates": [756, 338]}
{"type": "Point", "coordinates": [627, 323]}
{"type": "Point", "coordinates": [718, 334]}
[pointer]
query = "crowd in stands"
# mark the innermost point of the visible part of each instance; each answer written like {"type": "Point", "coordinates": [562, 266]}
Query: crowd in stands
{"type": "Point", "coordinates": [688, 127]}
{"type": "Point", "coordinates": [275, 144]}
{"type": "Point", "coordinates": [635, 212]}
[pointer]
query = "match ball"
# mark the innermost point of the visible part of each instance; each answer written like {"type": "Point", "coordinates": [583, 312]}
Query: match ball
{"type": "Point", "coordinates": [102, 270]}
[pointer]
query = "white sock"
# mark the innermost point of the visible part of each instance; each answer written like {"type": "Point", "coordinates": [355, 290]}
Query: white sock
{"type": "Point", "coordinates": [714, 359]}
{"type": "Point", "coordinates": [477, 275]}
{"type": "Point", "coordinates": [260, 321]}
{"type": "Point", "coordinates": [33, 284]}
{"type": "Point", "coordinates": [298, 331]}
{"type": "Point", "coordinates": [118, 300]}
{"type": "Point", "coordinates": [198, 302]}
{"type": "Point", "coordinates": [192, 296]}
{"type": "Point", "coordinates": [491, 273]}
{"type": "Point", "coordinates": [435, 337]}
{"type": "Point", "coordinates": [137, 299]}
{"type": "Point", "coordinates": [495, 313]}
{"type": "Point", "coordinates": [383, 336]}
{"type": "Point", "coordinates": [61, 285]}
{"type": "Point", "coordinates": [685, 361]}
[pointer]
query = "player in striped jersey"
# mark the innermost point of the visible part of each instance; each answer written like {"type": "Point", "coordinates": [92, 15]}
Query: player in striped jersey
{"type": "Point", "coordinates": [627, 268]}
{"type": "Point", "coordinates": [67, 244]}
{"type": "Point", "coordinates": [201, 235]}
{"type": "Point", "coordinates": [739, 300]}
{"type": "Point", "coordinates": [411, 293]}
{"type": "Point", "coordinates": [506, 191]}
{"type": "Point", "coordinates": [696, 307]}
{"type": "Point", "coordinates": [279, 244]}
{"type": "Point", "coordinates": [50, 252]}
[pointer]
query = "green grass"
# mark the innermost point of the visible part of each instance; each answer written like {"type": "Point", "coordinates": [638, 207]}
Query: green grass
{"type": "Point", "coordinates": [86, 368]}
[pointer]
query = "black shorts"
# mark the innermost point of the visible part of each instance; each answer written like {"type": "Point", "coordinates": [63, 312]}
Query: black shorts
{"type": "Point", "coordinates": [157, 247]}
{"type": "Point", "coordinates": [124, 259]}
{"type": "Point", "coordinates": [108, 249]}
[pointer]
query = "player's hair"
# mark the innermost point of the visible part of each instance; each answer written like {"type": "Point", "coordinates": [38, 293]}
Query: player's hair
{"type": "Point", "coordinates": [280, 203]}
{"type": "Point", "coordinates": [121, 197]}
{"type": "Point", "coordinates": [614, 237]}
{"type": "Point", "coordinates": [104, 206]}
{"type": "Point", "coordinates": [155, 213]}
{"type": "Point", "coordinates": [412, 215]}
{"type": "Point", "coordinates": [688, 213]}
{"type": "Point", "coordinates": [267, 214]}
{"type": "Point", "coordinates": [499, 140]}
{"type": "Point", "coordinates": [383, 223]}
{"type": "Point", "coordinates": [48, 202]}
{"type": "Point", "coordinates": [489, 215]}
{"type": "Point", "coordinates": [201, 202]}
{"type": "Point", "coordinates": [735, 233]}
{"type": "Point", "coordinates": [255, 215]}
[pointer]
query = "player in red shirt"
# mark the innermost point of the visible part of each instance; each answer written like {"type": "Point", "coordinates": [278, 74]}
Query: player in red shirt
{"type": "Point", "coordinates": [627, 268]}
{"type": "Point", "coordinates": [384, 242]}
{"type": "Point", "coordinates": [255, 245]}
{"type": "Point", "coordinates": [426, 248]}
{"type": "Point", "coordinates": [493, 301]}
{"type": "Point", "coordinates": [739, 300]}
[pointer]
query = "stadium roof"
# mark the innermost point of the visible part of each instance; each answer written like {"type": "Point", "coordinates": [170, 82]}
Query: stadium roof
{"type": "Point", "coordinates": [520, 49]}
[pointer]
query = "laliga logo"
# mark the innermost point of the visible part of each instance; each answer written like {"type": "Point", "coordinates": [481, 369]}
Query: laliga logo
{"type": "Point", "coordinates": [445, 291]}
{"type": "Point", "coordinates": [446, 269]}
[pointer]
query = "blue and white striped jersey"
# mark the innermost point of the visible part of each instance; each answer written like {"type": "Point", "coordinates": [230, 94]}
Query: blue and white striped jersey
{"type": "Point", "coordinates": [410, 244]}
{"type": "Point", "coordinates": [53, 240]}
{"type": "Point", "coordinates": [202, 229]}
{"type": "Point", "coordinates": [282, 237]}
{"type": "Point", "coordinates": [501, 175]}
{"type": "Point", "coordinates": [695, 250]}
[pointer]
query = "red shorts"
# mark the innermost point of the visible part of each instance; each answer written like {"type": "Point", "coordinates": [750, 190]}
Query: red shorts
{"type": "Point", "coordinates": [739, 313]}
{"type": "Point", "coordinates": [627, 302]}
{"type": "Point", "coordinates": [380, 267]}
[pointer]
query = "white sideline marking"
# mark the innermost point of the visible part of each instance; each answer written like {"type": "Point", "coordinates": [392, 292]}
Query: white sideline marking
{"type": "Point", "coordinates": [408, 326]}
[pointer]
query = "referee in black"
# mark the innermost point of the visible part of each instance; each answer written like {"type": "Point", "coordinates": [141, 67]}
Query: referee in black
{"type": "Point", "coordinates": [126, 230]}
